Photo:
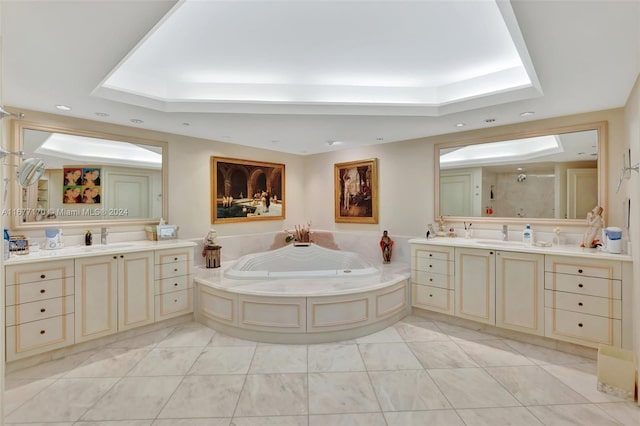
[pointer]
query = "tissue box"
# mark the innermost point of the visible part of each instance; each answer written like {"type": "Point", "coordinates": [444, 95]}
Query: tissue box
{"type": "Point", "coordinates": [152, 233]}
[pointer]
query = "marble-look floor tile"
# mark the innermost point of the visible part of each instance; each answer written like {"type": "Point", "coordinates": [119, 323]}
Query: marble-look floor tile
{"type": "Point", "coordinates": [273, 395]}
{"type": "Point", "coordinates": [388, 356]}
{"type": "Point", "coordinates": [192, 334]}
{"type": "Point", "coordinates": [492, 353]}
{"type": "Point", "coordinates": [223, 360]}
{"type": "Point", "coordinates": [366, 419]}
{"type": "Point", "coordinates": [572, 415]}
{"type": "Point", "coordinates": [134, 398]}
{"type": "Point", "coordinates": [541, 355]}
{"type": "Point", "coordinates": [41, 424]}
{"type": "Point", "coordinates": [471, 388]}
{"type": "Point", "coordinates": [336, 393]}
{"type": "Point", "coordinates": [221, 339]}
{"type": "Point", "coordinates": [512, 416]}
{"type": "Point", "coordinates": [441, 355]}
{"type": "Point", "coordinates": [64, 400]}
{"type": "Point", "coordinates": [582, 378]}
{"type": "Point", "coordinates": [422, 418]}
{"type": "Point", "coordinates": [52, 369]}
{"type": "Point", "coordinates": [143, 340]}
{"type": "Point", "coordinates": [204, 396]}
{"type": "Point", "coordinates": [334, 357]}
{"type": "Point", "coordinates": [192, 422]}
{"type": "Point", "coordinates": [407, 390]}
{"type": "Point", "coordinates": [627, 413]}
{"type": "Point", "coordinates": [18, 391]}
{"type": "Point", "coordinates": [420, 332]}
{"type": "Point", "coordinates": [116, 423]}
{"type": "Point", "coordinates": [270, 421]}
{"type": "Point", "coordinates": [532, 385]}
{"type": "Point", "coordinates": [388, 335]}
{"type": "Point", "coordinates": [463, 332]}
{"type": "Point", "coordinates": [109, 362]}
{"type": "Point", "coordinates": [279, 359]}
{"type": "Point", "coordinates": [167, 361]}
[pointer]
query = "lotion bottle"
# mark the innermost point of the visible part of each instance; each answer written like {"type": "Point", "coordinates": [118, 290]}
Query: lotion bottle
{"type": "Point", "coordinates": [527, 235]}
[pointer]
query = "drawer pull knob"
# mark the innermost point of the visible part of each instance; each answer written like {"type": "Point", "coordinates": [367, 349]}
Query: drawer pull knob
{"type": "Point", "coordinates": [175, 284]}
{"type": "Point", "coordinates": [579, 271]}
{"type": "Point", "coordinates": [175, 258]}
{"type": "Point", "coordinates": [431, 295]}
{"type": "Point", "coordinates": [490, 252]}
{"type": "Point", "coordinates": [122, 256]}
{"type": "Point", "coordinates": [430, 266]}
{"type": "Point", "coordinates": [115, 257]}
{"type": "Point", "coordinates": [42, 290]}
{"type": "Point", "coordinates": [579, 324]}
{"type": "Point", "coordinates": [579, 303]}
{"type": "Point", "coordinates": [42, 310]}
{"type": "Point", "coordinates": [175, 300]}
{"type": "Point", "coordinates": [431, 279]}
{"type": "Point", "coordinates": [580, 285]}
{"type": "Point", "coordinates": [43, 276]}
{"type": "Point", "coordinates": [430, 255]}
{"type": "Point", "coordinates": [175, 270]}
{"type": "Point", "coordinates": [42, 331]}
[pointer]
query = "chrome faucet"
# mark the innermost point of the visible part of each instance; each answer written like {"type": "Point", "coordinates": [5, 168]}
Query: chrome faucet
{"type": "Point", "coordinates": [505, 233]}
{"type": "Point", "coordinates": [103, 236]}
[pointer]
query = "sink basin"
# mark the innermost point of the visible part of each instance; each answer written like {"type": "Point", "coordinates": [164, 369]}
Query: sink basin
{"type": "Point", "coordinates": [500, 243]}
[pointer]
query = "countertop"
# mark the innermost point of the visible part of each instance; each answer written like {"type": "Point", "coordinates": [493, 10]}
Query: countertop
{"type": "Point", "coordinates": [75, 252]}
{"type": "Point", "coordinates": [519, 246]}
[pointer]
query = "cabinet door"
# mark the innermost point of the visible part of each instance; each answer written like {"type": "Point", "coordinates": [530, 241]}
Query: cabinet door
{"type": "Point", "coordinates": [135, 290]}
{"type": "Point", "coordinates": [475, 284]}
{"type": "Point", "coordinates": [520, 291]}
{"type": "Point", "coordinates": [96, 297]}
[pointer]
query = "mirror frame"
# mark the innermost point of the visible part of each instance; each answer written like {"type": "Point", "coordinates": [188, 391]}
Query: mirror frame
{"type": "Point", "coordinates": [17, 139]}
{"type": "Point", "coordinates": [600, 126]}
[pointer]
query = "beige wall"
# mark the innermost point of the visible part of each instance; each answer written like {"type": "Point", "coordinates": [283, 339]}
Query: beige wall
{"type": "Point", "coordinates": [406, 175]}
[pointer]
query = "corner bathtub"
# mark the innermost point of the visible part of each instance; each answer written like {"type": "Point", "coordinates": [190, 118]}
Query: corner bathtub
{"type": "Point", "coordinates": [302, 294]}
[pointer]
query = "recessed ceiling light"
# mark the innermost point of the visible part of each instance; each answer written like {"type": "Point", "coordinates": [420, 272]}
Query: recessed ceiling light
{"type": "Point", "coordinates": [460, 124]}
{"type": "Point", "coordinates": [275, 141]}
{"type": "Point", "coordinates": [186, 124]}
{"type": "Point", "coordinates": [63, 107]}
{"type": "Point", "coordinates": [379, 138]}
{"type": "Point", "coordinates": [490, 120]}
{"type": "Point", "coordinates": [102, 114]}
{"type": "Point", "coordinates": [136, 121]}
{"type": "Point", "coordinates": [331, 143]}
{"type": "Point", "coordinates": [519, 169]}
{"type": "Point", "coordinates": [526, 113]}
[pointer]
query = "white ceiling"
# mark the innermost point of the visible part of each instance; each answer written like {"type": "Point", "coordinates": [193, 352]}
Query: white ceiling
{"type": "Point", "coordinates": [296, 76]}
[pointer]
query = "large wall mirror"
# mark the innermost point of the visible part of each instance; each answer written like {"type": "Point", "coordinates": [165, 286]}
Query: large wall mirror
{"type": "Point", "coordinates": [90, 178]}
{"type": "Point", "coordinates": [544, 176]}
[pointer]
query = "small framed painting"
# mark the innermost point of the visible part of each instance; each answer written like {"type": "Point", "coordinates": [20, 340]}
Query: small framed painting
{"type": "Point", "coordinates": [245, 190]}
{"type": "Point", "coordinates": [356, 191]}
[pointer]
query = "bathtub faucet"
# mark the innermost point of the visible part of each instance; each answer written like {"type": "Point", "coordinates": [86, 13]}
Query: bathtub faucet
{"type": "Point", "coordinates": [103, 236]}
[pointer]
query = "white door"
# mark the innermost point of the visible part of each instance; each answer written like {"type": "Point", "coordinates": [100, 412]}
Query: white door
{"type": "Point", "coordinates": [582, 192]}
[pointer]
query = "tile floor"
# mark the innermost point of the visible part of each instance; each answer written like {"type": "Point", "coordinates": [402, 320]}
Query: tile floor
{"type": "Point", "coordinates": [418, 372]}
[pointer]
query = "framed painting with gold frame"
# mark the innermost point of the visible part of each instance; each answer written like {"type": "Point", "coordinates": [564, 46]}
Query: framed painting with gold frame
{"type": "Point", "coordinates": [246, 190]}
{"type": "Point", "coordinates": [356, 191]}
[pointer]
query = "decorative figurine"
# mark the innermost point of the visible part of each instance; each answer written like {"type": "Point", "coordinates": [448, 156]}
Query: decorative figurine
{"type": "Point", "coordinates": [386, 244]}
{"type": "Point", "coordinates": [211, 250]}
{"type": "Point", "coordinates": [593, 233]}
{"type": "Point", "coordinates": [211, 237]}
{"type": "Point", "coordinates": [441, 227]}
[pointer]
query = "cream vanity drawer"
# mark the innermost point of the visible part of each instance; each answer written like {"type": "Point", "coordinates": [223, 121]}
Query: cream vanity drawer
{"type": "Point", "coordinates": [170, 270]}
{"type": "Point", "coordinates": [584, 267]}
{"type": "Point", "coordinates": [601, 306]}
{"type": "Point", "coordinates": [583, 285]}
{"type": "Point", "coordinates": [167, 285]}
{"type": "Point", "coordinates": [433, 253]}
{"type": "Point", "coordinates": [39, 336]}
{"type": "Point", "coordinates": [431, 279]}
{"type": "Point", "coordinates": [175, 303]}
{"type": "Point", "coordinates": [171, 256]}
{"type": "Point", "coordinates": [434, 266]}
{"type": "Point", "coordinates": [433, 298]}
{"type": "Point", "coordinates": [27, 273]}
{"type": "Point", "coordinates": [34, 311]}
{"type": "Point", "coordinates": [584, 329]}
{"type": "Point", "coordinates": [31, 292]}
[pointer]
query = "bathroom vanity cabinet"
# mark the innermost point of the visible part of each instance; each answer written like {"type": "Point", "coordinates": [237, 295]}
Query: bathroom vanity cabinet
{"type": "Point", "coordinates": [90, 294]}
{"type": "Point", "coordinates": [566, 296]}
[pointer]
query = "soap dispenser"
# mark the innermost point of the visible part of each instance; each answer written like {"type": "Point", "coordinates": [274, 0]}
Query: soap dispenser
{"type": "Point", "coordinates": [527, 235]}
{"type": "Point", "coordinates": [88, 238]}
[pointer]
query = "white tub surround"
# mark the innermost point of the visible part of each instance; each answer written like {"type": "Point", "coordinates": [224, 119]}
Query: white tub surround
{"type": "Point", "coordinates": [568, 293]}
{"type": "Point", "coordinates": [303, 309]}
{"type": "Point", "coordinates": [56, 298]}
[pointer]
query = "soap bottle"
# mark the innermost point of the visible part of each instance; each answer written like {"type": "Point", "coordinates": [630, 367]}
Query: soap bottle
{"type": "Point", "coordinates": [527, 235]}
{"type": "Point", "coordinates": [88, 238]}
{"type": "Point", "coordinates": [6, 244]}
